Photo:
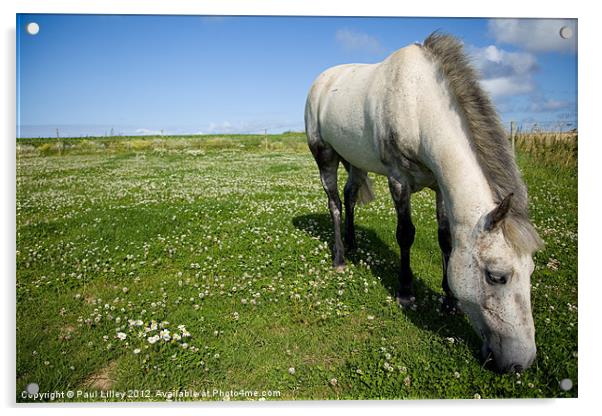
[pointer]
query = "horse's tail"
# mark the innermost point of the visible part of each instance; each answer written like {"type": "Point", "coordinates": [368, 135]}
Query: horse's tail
{"type": "Point", "coordinates": [366, 194]}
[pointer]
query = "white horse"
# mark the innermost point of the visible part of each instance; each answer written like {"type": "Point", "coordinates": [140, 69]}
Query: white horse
{"type": "Point", "coordinates": [420, 118]}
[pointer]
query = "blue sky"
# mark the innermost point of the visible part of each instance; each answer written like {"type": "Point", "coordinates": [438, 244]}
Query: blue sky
{"type": "Point", "coordinates": [88, 74]}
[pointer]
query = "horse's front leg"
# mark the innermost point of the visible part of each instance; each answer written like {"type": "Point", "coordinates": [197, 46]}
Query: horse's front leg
{"type": "Point", "coordinates": [444, 235]}
{"type": "Point", "coordinates": [405, 238]}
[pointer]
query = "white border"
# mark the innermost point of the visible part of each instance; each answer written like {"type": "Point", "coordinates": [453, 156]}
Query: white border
{"type": "Point", "coordinates": [456, 8]}
{"type": "Point", "coordinates": [589, 155]}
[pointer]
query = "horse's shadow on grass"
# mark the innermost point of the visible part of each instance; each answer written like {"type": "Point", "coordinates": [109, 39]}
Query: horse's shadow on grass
{"type": "Point", "coordinates": [428, 314]}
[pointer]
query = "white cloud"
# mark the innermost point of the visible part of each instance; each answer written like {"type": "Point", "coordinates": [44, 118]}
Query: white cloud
{"type": "Point", "coordinates": [548, 104]}
{"type": "Point", "coordinates": [223, 127]}
{"type": "Point", "coordinates": [251, 126]}
{"type": "Point", "coordinates": [148, 132]}
{"type": "Point", "coordinates": [535, 35]}
{"type": "Point", "coordinates": [358, 41]}
{"type": "Point", "coordinates": [506, 86]}
{"type": "Point", "coordinates": [502, 72]}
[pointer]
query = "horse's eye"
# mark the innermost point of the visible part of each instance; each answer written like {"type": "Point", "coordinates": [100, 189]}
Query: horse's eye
{"type": "Point", "coordinates": [496, 278]}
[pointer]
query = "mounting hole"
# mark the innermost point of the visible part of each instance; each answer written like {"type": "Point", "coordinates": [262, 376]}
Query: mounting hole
{"type": "Point", "coordinates": [32, 28]}
{"type": "Point", "coordinates": [32, 388]}
{"type": "Point", "coordinates": [566, 32]}
{"type": "Point", "coordinates": [566, 384]}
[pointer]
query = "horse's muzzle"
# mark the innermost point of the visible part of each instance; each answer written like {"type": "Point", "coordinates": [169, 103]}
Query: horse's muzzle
{"type": "Point", "coordinates": [502, 366]}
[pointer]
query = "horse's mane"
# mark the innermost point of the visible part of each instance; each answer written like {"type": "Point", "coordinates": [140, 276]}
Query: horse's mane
{"type": "Point", "coordinates": [488, 138]}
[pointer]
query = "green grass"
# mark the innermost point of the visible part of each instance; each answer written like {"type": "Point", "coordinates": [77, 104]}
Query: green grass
{"type": "Point", "coordinates": [230, 237]}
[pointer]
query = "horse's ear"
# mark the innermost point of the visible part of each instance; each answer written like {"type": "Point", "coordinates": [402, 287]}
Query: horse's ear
{"type": "Point", "coordinates": [495, 217]}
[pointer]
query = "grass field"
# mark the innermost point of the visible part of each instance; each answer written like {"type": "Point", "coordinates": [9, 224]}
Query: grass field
{"type": "Point", "coordinates": [158, 266]}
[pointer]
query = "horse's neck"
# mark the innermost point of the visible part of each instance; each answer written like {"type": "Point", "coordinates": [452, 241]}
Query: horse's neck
{"type": "Point", "coordinates": [466, 192]}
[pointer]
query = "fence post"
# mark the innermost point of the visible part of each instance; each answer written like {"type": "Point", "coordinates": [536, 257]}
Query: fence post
{"type": "Point", "coordinates": [512, 134]}
{"type": "Point", "coordinates": [265, 138]}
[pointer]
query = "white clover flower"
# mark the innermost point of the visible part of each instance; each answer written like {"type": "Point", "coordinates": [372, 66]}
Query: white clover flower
{"type": "Point", "coordinates": [137, 351]}
{"type": "Point", "coordinates": [291, 370]}
{"type": "Point", "coordinates": [153, 339]}
{"type": "Point", "coordinates": [121, 335]}
{"type": "Point", "coordinates": [165, 335]}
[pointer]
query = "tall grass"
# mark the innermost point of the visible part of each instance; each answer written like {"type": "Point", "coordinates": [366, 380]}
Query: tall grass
{"type": "Point", "coordinates": [165, 144]}
{"type": "Point", "coordinates": [551, 148]}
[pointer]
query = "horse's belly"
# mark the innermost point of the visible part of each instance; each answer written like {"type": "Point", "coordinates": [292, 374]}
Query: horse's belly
{"type": "Point", "coordinates": [357, 150]}
{"type": "Point", "coordinates": [364, 160]}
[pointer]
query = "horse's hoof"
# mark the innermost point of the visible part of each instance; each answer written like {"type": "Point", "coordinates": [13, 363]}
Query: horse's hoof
{"type": "Point", "coordinates": [340, 268]}
{"type": "Point", "coordinates": [405, 300]}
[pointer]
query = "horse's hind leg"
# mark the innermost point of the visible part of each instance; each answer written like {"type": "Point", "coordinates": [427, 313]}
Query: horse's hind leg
{"type": "Point", "coordinates": [328, 163]}
{"type": "Point", "coordinates": [444, 234]}
{"type": "Point", "coordinates": [356, 179]}
{"type": "Point", "coordinates": [405, 238]}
